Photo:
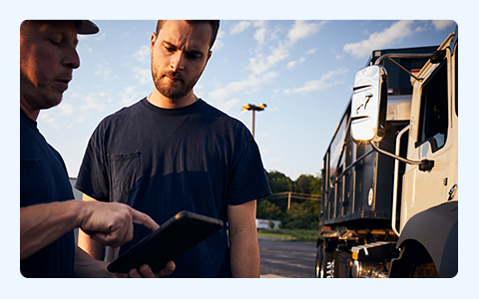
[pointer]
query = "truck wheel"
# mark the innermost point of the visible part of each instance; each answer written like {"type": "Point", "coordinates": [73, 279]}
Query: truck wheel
{"type": "Point", "coordinates": [320, 263]}
{"type": "Point", "coordinates": [414, 261]}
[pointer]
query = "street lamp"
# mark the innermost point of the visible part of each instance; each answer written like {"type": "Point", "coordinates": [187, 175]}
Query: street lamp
{"type": "Point", "coordinates": [251, 107]}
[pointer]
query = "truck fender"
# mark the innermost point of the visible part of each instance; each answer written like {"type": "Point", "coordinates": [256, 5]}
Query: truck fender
{"type": "Point", "coordinates": [436, 229]}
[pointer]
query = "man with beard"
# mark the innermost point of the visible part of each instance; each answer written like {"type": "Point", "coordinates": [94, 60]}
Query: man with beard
{"type": "Point", "coordinates": [171, 151]}
{"type": "Point", "coordinates": [48, 211]}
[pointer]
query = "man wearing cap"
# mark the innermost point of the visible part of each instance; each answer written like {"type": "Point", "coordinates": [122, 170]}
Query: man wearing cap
{"type": "Point", "coordinates": [172, 151]}
{"type": "Point", "coordinates": [48, 212]}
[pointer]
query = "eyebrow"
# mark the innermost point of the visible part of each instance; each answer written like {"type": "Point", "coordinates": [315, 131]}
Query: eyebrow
{"type": "Point", "coordinates": [194, 52]}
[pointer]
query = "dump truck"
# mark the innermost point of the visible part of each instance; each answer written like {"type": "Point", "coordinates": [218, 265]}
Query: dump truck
{"type": "Point", "coordinates": [390, 173]}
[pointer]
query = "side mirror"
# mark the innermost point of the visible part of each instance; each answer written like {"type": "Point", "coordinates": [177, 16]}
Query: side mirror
{"type": "Point", "coordinates": [369, 104]}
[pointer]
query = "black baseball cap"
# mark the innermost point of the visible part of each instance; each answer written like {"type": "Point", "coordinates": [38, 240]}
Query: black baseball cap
{"type": "Point", "coordinates": [86, 27]}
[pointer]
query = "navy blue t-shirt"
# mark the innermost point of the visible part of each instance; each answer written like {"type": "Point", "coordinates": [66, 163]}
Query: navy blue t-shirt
{"type": "Point", "coordinates": [162, 161]}
{"type": "Point", "coordinates": [44, 179]}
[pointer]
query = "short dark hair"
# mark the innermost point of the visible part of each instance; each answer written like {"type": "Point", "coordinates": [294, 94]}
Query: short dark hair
{"type": "Point", "coordinates": [215, 25]}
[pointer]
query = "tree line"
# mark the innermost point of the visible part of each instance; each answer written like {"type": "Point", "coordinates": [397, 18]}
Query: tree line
{"type": "Point", "coordinates": [295, 203]}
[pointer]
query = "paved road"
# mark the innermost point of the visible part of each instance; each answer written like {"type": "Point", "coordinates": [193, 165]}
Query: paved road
{"type": "Point", "coordinates": [287, 259]}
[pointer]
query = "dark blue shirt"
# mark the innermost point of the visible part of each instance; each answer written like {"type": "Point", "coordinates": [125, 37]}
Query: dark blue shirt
{"type": "Point", "coordinates": [162, 161]}
{"type": "Point", "coordinates": [44, 179]}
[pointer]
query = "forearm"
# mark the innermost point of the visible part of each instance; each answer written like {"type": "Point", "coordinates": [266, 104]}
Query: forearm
{"type": "Point", "coordinates": [86, 242]}
{"type": "Point", "coordinates": [244, 256]}
{"type": "Point", "coordinates": [86, 266]}
{"type": "Point", "coordinates": [42, 224]}
{"type": "Point", "coordinates": [108, 223]}
{"type": "Point", "coordinates": [94, 248]}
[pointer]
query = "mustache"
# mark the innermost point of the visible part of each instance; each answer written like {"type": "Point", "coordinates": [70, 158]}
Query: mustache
{"type": "Point", "coordinates": [174, 75]}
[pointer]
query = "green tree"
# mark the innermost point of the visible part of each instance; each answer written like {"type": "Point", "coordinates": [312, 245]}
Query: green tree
{"type": "Point", "coordinates": [316, 186]}
{"type": "Point", "coordinates": [279, 182]}
{"type": "Point", "coordinates": [308, 184]}
{"type": "Point", "coordinates": [303, 213]}
{"type": "Point", "coordinates": [268, 210]}
{"type": "Point", "coordinates": [300, 216]}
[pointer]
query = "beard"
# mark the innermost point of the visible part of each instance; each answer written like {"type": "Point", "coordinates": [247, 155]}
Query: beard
{"type": "Point", "coordinates": [170, 91]}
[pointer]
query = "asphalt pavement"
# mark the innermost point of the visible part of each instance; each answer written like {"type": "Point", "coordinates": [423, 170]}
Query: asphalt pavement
{"type": "Point", "coordinates": [287, 259]}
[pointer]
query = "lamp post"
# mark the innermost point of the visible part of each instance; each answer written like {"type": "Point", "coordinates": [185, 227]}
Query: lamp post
{"type": "Point", "coordinates": [254, 108]}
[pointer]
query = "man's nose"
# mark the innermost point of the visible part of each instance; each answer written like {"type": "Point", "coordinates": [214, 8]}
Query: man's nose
{"type": "Point", "coordinates": [177, 61]}
{"type": "Point", "coordinates": [71, 59]}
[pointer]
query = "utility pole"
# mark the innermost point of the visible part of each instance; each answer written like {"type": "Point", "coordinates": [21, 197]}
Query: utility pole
{"type": "Point", "coordinates": [253, 108]}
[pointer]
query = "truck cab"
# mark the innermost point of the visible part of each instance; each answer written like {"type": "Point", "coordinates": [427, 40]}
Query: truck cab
{"type": "Point", "coordinates": [390, 174]}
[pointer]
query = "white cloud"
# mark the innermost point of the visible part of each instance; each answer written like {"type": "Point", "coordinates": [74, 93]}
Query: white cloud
{"type": "Point", "coordinates": [93, 101]}
{"type": "Point", "coordinates": [83, 47]}
{"type": "Point", "coordinates": [267, 56]}
{"type": "Point", "coordinates": [219, 41]}
{"type": "Point", "coordinates": [46, 118]}
{"type": "Point", "coordinates": [80, 119]}
{"type": "Point", "coordinates": [100, 37]}
{"type": "Point", "coordinates": [129, 95]}
{"type": "Point", "coordinates": [240, 27]}
{"type": "Point", "coordinates": [217, 45]}
{"type": "Point", "coordinates": [103, 69]}
{"type": "Point", "coordinates": [323, 83]}
{"type": "Point", "coordinates": [252, 83]}
{"type": "Point", "coordinates": [142, 75]}
{"type": "Point", "coordinates": [294, 63]}
{"type": "Point", "coordinates": [143, 54]}
{"type": "Point", "coordinates": [66, 108]}
{"type": "Point", "coordinates": [225, 106]}
{"type": "Point", "coordinates": [383, 39]}
{"type": "Point", "coordinates": [260, 35]}
{"type": "Point", "coordinates": [262, 63]}
{"type": "Point", "coordinates": [442, 24]}
{"type": "Point", "coordinates": [278, 54]}
{"type": "Point", "coordinates": [302, 29]}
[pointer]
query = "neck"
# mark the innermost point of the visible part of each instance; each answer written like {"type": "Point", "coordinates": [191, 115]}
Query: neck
{"type": "Point", "coordinates": [157, 99]}
{"type": "Point", "coordinates": [30, 112]}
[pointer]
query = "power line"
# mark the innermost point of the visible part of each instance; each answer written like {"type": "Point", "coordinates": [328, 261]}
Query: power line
{"type": "Point", "coordinates": [294, 195]}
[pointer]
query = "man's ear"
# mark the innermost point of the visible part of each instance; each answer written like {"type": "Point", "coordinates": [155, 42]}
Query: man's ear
{"type": "Point", "coordinates": [152, 42]}
{"type": "Point", "coordinates": [209, 56]}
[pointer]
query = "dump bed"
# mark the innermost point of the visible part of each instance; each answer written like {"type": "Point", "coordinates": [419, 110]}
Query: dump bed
{"type": "Point", "coordinates": [358, 181]}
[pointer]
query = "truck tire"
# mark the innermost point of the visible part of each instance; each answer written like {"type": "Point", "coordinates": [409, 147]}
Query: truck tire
{"type": "Point", "coordinates": [320, 263]}
{"type": "Point", "coordinates": [434, 234]}
{"type": "Point", "coordinates": [414, 261]}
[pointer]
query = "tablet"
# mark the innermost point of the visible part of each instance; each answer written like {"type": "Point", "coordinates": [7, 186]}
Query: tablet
{"type": "Point", "coordinates": [174, 238]}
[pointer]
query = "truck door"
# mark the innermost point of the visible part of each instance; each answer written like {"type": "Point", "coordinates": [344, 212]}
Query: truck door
{"type": "Point", "coordinates": [433, 137]}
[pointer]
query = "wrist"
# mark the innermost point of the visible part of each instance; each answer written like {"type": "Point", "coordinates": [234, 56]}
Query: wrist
{"type": "Point", "coordinates": [80, 210]}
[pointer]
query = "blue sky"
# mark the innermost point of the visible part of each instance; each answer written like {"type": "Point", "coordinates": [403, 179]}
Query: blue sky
{"type": "Point", "coordinates": [302, 70]}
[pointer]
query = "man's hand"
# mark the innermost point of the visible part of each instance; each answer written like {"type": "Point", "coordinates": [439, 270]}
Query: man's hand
{"type": "Point", "coordinates": [112, 223]}
{"type": "Point", "coordinates": [86, 266]}
{"type": "Point", "coordinates": [146, 272]}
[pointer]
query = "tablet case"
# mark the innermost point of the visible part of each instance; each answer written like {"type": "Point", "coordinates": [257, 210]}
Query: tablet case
{"type": "Point", "coordinates": [174, 238]}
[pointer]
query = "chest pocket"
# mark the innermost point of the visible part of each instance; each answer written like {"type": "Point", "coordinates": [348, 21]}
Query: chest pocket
{"type": "Point", "coordinates": [125, 175]}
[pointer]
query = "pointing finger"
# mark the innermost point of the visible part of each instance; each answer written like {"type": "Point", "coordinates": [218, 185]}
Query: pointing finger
{"type": "Point", "coordinates": [141, 218]}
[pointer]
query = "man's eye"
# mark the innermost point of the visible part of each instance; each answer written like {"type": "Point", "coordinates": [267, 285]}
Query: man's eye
{"type": "Point", "coordinates": [194, 55]}
{"type": "Point", "coordinates": [54, 42]}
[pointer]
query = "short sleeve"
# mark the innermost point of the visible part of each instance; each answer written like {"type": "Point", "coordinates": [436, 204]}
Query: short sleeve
{"type": "Point", "coordinates": [247, 177]}
{"type": "Point", "coordinates": [93, 178]}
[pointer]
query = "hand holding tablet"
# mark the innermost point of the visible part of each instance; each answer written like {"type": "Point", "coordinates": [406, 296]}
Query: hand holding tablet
{"type": "Point", "coordinates": [174, 238]}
